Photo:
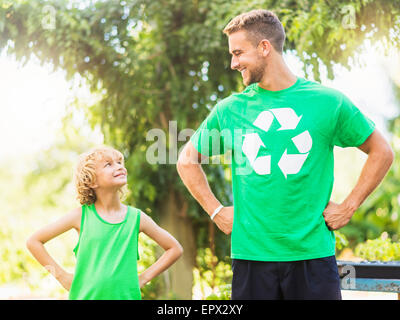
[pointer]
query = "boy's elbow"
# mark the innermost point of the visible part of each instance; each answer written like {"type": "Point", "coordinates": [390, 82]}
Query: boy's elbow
{"type": "Point", "coordinates": [179, 251]}
{"type": "Point", "coordinates": [31, 242]}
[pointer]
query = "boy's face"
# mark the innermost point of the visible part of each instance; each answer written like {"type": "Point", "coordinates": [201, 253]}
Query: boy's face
{"type": "Point", "coordinates": [110, 171]}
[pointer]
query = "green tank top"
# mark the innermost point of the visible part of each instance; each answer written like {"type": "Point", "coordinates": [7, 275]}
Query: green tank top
{"type": "Point", "coordinates": [107, 254]}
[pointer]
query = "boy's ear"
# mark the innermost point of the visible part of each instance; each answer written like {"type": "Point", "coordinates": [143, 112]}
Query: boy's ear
{"type": "Point", "coordinates": [93, 185]}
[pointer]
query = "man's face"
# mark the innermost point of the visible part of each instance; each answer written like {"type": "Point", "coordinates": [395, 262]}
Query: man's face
{"type": "Point", "coordinates": [246, 58]}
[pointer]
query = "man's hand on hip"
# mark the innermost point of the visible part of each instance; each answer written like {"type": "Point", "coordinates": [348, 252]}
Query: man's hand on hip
{"type": "Point", "coordinates": [224, 220]}
{"type": "Point", "coordinates": [336, 215]}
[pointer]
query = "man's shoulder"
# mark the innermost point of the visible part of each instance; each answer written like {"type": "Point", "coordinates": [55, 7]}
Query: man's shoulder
{"type": "Point", "coordinates": [306, 87]}
{"type": "Point", "coordinates": [321, 89]}
{"type": "Point", "coordinates": [235, 99]}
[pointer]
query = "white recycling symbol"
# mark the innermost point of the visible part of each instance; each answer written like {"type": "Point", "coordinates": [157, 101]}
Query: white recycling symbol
{"type": "Point", "coordinates": [288, 163]}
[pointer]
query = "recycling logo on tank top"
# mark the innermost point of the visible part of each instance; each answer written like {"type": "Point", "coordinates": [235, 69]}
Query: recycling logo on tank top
{"type": "Point", "coordinates": [288, 163]}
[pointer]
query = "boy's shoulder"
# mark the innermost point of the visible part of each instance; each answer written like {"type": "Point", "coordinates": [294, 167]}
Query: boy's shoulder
{"type": "Point", "coordinates": [75, 216]}
{"type": "Point", "coordinates": [132, 208]}
{"type": "Point", "coordinates": [76, 212]}
{"type": "Point", "coordinates": [135, 211]}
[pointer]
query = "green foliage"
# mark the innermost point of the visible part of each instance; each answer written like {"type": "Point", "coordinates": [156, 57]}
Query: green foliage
{"type": "Point", "coordinates": [212, 276]}
{"type": "Point", "coordinates": [9, 256]}
{"type": "Point", "coordinates": [341, 241]}
{"type": "Point", "coordinates": [225, 294]}
{"type": "Point", "coordinates": [326, 32]}
{"type": "Point", "coordinates": [381, 249]}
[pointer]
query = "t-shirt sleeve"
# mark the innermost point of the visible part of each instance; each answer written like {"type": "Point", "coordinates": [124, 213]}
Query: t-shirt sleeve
{"type": "Point", "coordinates": [208, 138]}
{"type": "Point", "coordinates": [352, 126]}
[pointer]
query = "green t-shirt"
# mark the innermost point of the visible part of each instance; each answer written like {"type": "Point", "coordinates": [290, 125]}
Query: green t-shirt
{"type": "Point", "coordinates": [282, 165]}
{"type": "Point", "coordinates": [107, 254]}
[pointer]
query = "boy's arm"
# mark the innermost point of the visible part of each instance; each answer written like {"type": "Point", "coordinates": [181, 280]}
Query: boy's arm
{"type": "Point", "coordinates": [35, 244]}
{"type": "Point", "coordinates": [190, 170]}
{"type": "Point", "coordinates": [380, 158]}
{"type": "Point", "coordinates": [173, 250]}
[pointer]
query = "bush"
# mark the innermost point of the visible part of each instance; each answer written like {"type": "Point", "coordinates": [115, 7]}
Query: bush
{"type": "Point", "coordinates": [381, 249]}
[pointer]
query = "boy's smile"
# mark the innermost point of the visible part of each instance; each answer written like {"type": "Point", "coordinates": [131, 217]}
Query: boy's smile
{"type": "Point", "coordinates": [120, 174]}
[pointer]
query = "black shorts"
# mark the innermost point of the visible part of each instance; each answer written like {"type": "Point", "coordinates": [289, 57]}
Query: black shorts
{"type": "Point", "coordinates": [306, 279]}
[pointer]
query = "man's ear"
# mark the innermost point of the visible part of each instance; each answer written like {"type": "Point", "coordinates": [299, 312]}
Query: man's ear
{"type": "Point", "coordinates": [265, 46]}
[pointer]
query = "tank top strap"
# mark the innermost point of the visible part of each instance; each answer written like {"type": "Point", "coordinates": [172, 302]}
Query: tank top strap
{"type": "Point", "coordinates": [134, 223]}
{"type": "Point", "coordinates": [84, 209]}
{"type": "Point", "coordinates": [133, 218]}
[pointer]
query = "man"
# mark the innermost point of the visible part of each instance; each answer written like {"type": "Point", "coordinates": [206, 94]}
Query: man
{"type": "Point", "coordinates": [283, 129]}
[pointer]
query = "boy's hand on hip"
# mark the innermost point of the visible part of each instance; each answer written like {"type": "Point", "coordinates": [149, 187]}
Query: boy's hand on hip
{"type": "Point", "coordinates": [224, 220]}
{"type": "Point", "coordinates": [142, 280]}
{"type": "Point", "coordinates": [65, 279]}
{"type": "Point", "coordinates": [336, 216]}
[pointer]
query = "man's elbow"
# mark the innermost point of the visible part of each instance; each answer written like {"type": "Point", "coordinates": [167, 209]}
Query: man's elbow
{"type": "Point", "coordinates": [181, 163]}
{"type": "Point", "coordinates": [390, 155]}
{"type": "Point", "coordinates": [185, 160]}
{"type": "Point", "coordinates": [386, 156]}
{"type": "Point", "coordinates": [381, 148]}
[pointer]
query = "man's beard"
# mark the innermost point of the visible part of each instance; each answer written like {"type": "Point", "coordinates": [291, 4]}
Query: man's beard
{"type": "Point", "coordinates": [255, 75]}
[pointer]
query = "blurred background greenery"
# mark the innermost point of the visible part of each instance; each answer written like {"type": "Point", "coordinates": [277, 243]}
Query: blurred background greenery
{"type": "Point", "coordinates": [75, 74]}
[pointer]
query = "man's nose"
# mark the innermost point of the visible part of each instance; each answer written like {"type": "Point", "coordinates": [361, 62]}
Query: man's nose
{"type": "Point", "coordinates": [234, 63]}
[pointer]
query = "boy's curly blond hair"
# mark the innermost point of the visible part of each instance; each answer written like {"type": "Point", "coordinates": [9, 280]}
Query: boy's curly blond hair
{"type": "Point", "coordinates": [85, 173]}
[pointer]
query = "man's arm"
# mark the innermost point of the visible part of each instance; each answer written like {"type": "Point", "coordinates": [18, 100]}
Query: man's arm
{"type": "Point", "coordinates": [190, 170]}
{"type": "Point", "coordinates": [380, 158]}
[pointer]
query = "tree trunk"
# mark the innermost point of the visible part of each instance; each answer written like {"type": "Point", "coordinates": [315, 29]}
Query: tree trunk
{"type": "Point", "coordinates": [174, 219]}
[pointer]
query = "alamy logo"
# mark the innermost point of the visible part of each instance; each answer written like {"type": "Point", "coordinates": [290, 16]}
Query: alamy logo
{"type": "Point", "coordinates": [288, 163]}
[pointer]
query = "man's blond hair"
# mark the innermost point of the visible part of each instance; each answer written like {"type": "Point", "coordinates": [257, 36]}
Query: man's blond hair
{"type": "Point", "coordinates": [260, 24]}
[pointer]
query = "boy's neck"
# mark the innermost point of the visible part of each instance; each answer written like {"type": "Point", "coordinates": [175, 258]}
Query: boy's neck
{"type": "Point", "coordinates": [108, 202]}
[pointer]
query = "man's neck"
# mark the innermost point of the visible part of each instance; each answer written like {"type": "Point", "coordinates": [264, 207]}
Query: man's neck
{"type": "Point", "coordinates": [277, 76]}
